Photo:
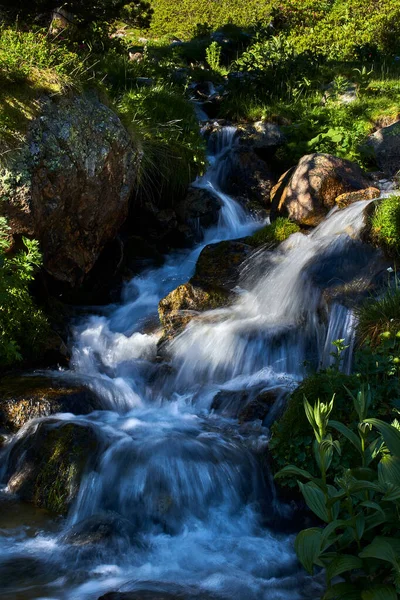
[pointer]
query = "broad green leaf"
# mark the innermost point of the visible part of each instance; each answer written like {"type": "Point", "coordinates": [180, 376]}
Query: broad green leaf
{"type": "Point", "coordinates": [308, 547]}
{"type": "Point", "coordinates": [315, 500]}
{"type": "Point", "coordinates": [363, 473]}
{"type": "Point", "coordinates": [389, 470]}
{"type": "Point", "coordinates": [342, 564]}
{"type": "Point", "coordinates": [292, 471]}
{"type": "Point", "coordinates": [344, 591]}
{"type": "Point", "coordinates": [362, 485]}
{"type": "Point", "coordinates": [360, 525]}
{"type": "Point", "coordinates": [331, 529]}
{"type": "Point", "coordinates": [392, 493]}
{"type": "Point", "coordinates": [382, 549]}
{"type": "Point", "coordinates": [350, 435]}
{"type": "Point", "coordinates": [380, 592]}
{"type": "Point", "coordinates": [310, 414]}
{"type": "Point", "coordinates": [374, 506]}
{"type": "Point", "coordinates": [389, 433]}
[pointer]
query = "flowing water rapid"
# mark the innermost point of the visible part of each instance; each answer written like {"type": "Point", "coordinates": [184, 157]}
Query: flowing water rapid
{"type": "Point", "coordinates": [177, 484]}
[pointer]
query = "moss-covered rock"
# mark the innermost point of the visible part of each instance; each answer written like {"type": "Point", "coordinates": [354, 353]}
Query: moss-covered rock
{"type": "Point", "coordinates": [46, 464]}
{"type": "Point", "coordinates": [273, 234]}
{"type": "Point", "coordinates": [184, 303]}
{"type": "Point", "coordinates": [219, 264]}
{"type": "Point", "coordinates": [217, 273]}
{"type": "Point", "coordinates": [346, 199]}
{"type": "Point", "coordinates": [69, 182]}
{"type": "Point", "coordinates": [24, 398]}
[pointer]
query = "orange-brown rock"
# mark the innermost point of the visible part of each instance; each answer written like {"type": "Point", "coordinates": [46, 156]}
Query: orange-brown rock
{"type": "Point", "coordinates": [308, 191]}
{"type": "Point", "coordinates": [368, 194]}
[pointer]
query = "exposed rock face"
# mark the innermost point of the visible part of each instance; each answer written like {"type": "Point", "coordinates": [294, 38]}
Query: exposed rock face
{"type": "Point", "coordinates": [249, 177]}
{"type": "Point", "coordinates": [200, 206]}
{"type": "Point", "coordinates": [78, 169]}
{"type": "Point", "coordinates": [219, 264]}
{"type": "Point", "coordinates": [261, 135]}
{"type": "Point", "coordinates": [183, 303]}
{"type": "Point", "coordinates": [368, 194]}
{"type": "Point", "coordinates": [308, 191]}
{"type": "Point", "coordinates": [385, 146]}
{"type": "Point", "coordinates": [46, 465]}
{"type": "Point", "coordinates": [25, 398]}
{"type": "Point", "coordinates": [217, 272]}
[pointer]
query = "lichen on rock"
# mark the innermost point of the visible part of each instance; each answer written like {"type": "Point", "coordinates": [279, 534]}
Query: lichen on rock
{"type": "Point", "coordinates": [46, 464]}
{"type": "Point", "coordinates": [70, 182]}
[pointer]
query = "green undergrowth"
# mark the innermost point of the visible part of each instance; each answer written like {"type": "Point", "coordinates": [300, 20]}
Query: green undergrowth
{"type": "Point", "coordinates": [377, 365]}
{"type": "Point", "coordinates": [379, 315]}
{"type": "Point", "coordinates": [23, 326]}
{"type": "Point", "coordinates": [273, 234]}
{"type": "Point", "coordinates": [385, 225]}
{"type": "Point", "coordinates": [164, 125]}
{"type": "Point", "coordinates": [31, 64]}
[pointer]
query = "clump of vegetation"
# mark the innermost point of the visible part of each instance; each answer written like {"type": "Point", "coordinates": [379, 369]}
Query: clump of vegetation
{"type": "Point", "coordinates": [385, 225]}
{"type": "Point", "coordinates": [291, 441]}
{"type": "Point", "coordinates": [273, 234]}
{"type": "Point", "coordinates": [379, 316]}
{"type": "Point", "coordinates": [23, 326]}
{"type": "Point", "coordinates": [359, 506]}
{"type": "Point", "coordinates": [376, 365]}
{"type": "Point", "coordinates": [163, 122]}
{"type": "Point", "coordinates": [31, 64]}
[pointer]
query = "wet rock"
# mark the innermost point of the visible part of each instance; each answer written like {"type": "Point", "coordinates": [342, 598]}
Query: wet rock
{"type": "Point", "coordinates": [24, 398]}
{"type": "Point", "coordinates": [229, 403]}
{"type": "Point", "coordinates": [217, 273]}
{"type": "Point", "coordinates": [368, 194]}
{"type": "Point", "coordinates": [70, 183]}
{"type": "Point", "coordinates": [261, 135]}
{"type": "Point", "coordinates": [200, 207]}
{"type": "Point", "coordinates": [162, 591]}
{"type": "Point", "coordinates": [184, 303]}
{"type": "Point", "coordinates": [259, 408]}
{"type": "Point", "coordinates": [384, 146]}
{"type": "Point", "coordinates": [219, 264]}
{"type": "Point", "coordinates": [99, 529]}
{"type": "Point", "coordinates": [249, 176]}
{"type": "Point", "coordinates": [46, 464]}
{"type": "Point", "coordinates": [308, 191]}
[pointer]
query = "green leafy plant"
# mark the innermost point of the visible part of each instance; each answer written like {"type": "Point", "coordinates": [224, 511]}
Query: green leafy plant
{"type": "Point", "coordinates": [385, 225]}
{"type": "Point", "coordinates": [360, 542]}
{"type": "Point", "coordinates": [23, 326]}
{"type": "Point", "coordinates": [213, 56]}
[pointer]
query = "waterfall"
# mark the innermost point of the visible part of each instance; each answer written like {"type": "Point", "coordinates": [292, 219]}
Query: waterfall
{"type": "Point", "coordinates": [176, 482]}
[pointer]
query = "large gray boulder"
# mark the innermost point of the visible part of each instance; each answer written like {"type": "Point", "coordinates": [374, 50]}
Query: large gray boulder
{"type": "Point", "coordinates": [70, 182]}
{"type": "Point", "coordinates": [385, 147]}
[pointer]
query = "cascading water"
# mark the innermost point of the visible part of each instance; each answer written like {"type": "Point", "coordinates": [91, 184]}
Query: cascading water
{"type": "Point", "coordinates": [176, 481]}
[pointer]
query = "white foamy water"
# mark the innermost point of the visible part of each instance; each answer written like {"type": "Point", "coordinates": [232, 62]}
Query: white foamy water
{"type": "Point", "coordinates": [176, 483]}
